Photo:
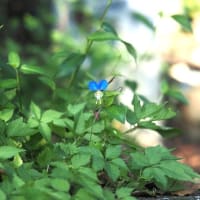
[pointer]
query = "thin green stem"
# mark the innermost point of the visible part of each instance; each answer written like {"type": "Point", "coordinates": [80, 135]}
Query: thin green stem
{"type": "Point", "coordinates": [19, 89]}
{"type": "Point", "coordinates": [88, 46]}
{"type": "Point", "coordinates": [109, 2]}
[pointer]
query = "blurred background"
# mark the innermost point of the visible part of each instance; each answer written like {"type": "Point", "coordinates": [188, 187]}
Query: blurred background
{"type": "Point", "coordinates": [45, 32]}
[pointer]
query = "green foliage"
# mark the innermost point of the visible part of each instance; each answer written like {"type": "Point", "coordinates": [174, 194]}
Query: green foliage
{"type": "Point", "coordinates": [57, 143]}
{"type": "Point", "coordinates": [183, 20]}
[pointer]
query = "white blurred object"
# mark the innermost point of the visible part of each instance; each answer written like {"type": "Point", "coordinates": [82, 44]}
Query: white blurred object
{"type": "Point", "coordinates": [184, 74]}
{"type": "Point", "coordinates": [145, 137]}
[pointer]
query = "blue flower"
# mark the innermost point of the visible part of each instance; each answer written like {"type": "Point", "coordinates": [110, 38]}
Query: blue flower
{"type": "Point", "coordinates": [95, 86]}
{"type": "Point", "coordinates": [98, 87]}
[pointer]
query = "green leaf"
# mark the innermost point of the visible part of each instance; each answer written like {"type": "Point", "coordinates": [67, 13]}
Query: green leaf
{"type": "Point", "coordinates": [19, 128]}
{"type": "Point", "coordinates": [138, 160]}
{"type": "Point", "coordinates": [50, 115]}
{"type": "Point", "coordinates": [48, 81]}
{"type": "Point", "coordinates": [102, 36]}
{"type": "Point", "coordinates": [70, 64]}
{"type": "Point", "coordinates": [88, 173]}
{"type": "Point", "coordinates": [2, 195]}
{"type": "Point", "coordinates": [132, 51]}
{"type": "Point", "coordinates": [91, 186]}
{"type": "Point", "coordinates": [113, 151]}
{"type": "Point", "coordinates": [98, 163]}
{"type": "Point", "coordinates": [137, 105]}
{"type": "Point", "coordinates": [97, 127]}
{"type": "Point", "coordinates": [183, 21]}
{"type": "Point", "coordinates": [108, 194]}
{"type": "Point", "coordinates": [143, 19]}
{"type": "Point", "coordinates": [60, 184]}
{"type": "Point", "coordinates": [112, 171]}
{"type": "Point", "coordinates": [45, 131]}
{"type": "Point", "coordinates": [80, 125]}
{"type": "Point", "coordinates": [6, 114]}
{"type": "Point", "coordinates": [123, 192]}
{"type": "Point", "coordinates": [131, 117]}
{"type": "Point", "coordinates": [8, 83]}
{"type": "Point", "coordinates": [117, 112]}
{"type": "Point", "coordinates": [44, 157]}
{"type": "Point", "coordinates": [154, 154]}
{"type": "Point", "coordinates": [8, 152]}
{"type": "Point", "coordinates": [131, 84]}
{"type": "Point", "coordinates": [27, 69]}
{"type": "Point", "coordinates": [14, 59]}
{"type": "Point", "coordinates": [75, 109]}
{"type": "Point", "coordinates": [177, 95]}
{"type": "Point", "coordinates": [35, 110]}
{"type": "Point", "coordinates": [82, 194]}
{"type": "Point", "coordinates": [156, 174]}
{"type": "Point", "coordinates": [120, 163]}
{"type": "Point", "coordinates": [177, 170]}
{"type": "Point", "coordinates": [79, 160]}
{"type": "Point", "coordinates": [108, 28]}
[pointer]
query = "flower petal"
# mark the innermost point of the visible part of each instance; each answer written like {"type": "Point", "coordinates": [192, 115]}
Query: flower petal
{"type": "Point", "coordinates": [102, 85]}
{"type": "Point", "coordinates": [93, 86]}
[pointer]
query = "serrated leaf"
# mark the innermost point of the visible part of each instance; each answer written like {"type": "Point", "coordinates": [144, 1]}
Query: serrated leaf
{"type": "Point", "coordinates": [120, 163]}
{"type": "Point", "coordinates": [117, 112]}
{"type": "Point", "coordinates": [79, 160]}
{"type": "Point", "coordinates": [155, 154]}
{"type": "Point", "coordinates": [8, 83]}
{"type": "Point", "coordinates": [98, 163]}
{"type": "Point", "coordinates": [6, 114]}
{"type": "Point", "coordinates": [113, 151]}
{"type": "Point", "coordinates": [97, 127]}
{"type": "Point", "coordinates": [174, 170]}
{"type": "Point", "coordinates": [45, 131]}
{"type": "Point", "coordinates": [112, 171]}
{"type": "Point", "coordinates": [156, 174]}
{"type": "Point", "coordinates": [14, 59]}
{"type": "Point", "coordinates": [75, 109]}
{"type": "Point", "coordinates": [183, 21]}
{"type": "Point", "coordinates": [50, 115]}
{"type": "Point", "coordinates": [60, 184]}
{"type": "Point", "coordinates": [35, 110]}
{"type": "Point", "coordinates": [28, 69]}
{"type": "Point", "coordinates": [88, 173]}
{"type": "Point", "coordinates": [102, 36]}
{"type": "Point", "coordinates": [80, 125]}
{"type": "Point", "coordinates": [138, 160]}
{"type": "Point", "coordinates": [123, 192]}
{"type": "Point", "coordinates": [44, 157]}
{"type": "Point", "coordinates": [8, 152]}
{"type": "Point", "coordinates": [19, 128]}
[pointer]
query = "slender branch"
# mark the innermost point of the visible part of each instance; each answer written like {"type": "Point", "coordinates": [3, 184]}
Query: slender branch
{"type": "Point", "coordinates": [130, 130]}
{"type": "Point", "coordinates": [109, 2]}
{"type": "Point", "coordinates": [89, 45]}
{"type": "Point", "coordinates": [19, 89]}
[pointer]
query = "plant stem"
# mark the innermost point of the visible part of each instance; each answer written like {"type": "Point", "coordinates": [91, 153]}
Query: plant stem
{"type": "Point", "coordinates": [88, 46]}
{"type": "Point", "coordinates": [109, 2]}
{"type": "Point", "coordinates": [19, 89]}
{"type": "Point", "coordinates": [130, 130]}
